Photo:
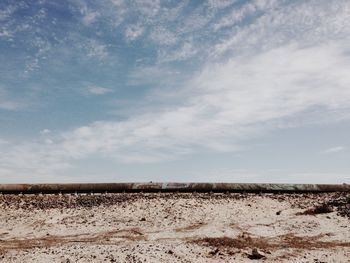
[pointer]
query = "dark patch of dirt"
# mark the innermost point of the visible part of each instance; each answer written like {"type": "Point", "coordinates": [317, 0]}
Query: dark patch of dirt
{"type": "Point", "coordinates": [341, 204]}
{"type": "Point", "coordinates": [61, 201]}
{"type": "Point", "coordinates": [245, 241]}
{"type": "Point", "coordinates": [47, 241]}
{"type": "Point", "coordinates": [50, 201]}
{"type": "Point", "coordinates": [190, 227]}
{"type": "Point", "coordinates": [339, 201]}
{"type": "Point", "coordinates": [318, 209]}
{"type": "Point", "coordinates": [256, 254]}
{"type": "Point", "coordinates": [240, 242]}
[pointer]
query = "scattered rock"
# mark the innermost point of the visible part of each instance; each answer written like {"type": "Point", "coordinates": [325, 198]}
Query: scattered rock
{"type": "Point", "coordinates": [214, 252]}
{"type": "Point", "coordinates": [256, 254]}
{"type": "Point", "coordinates": [319, 209]}
{"type": "Point", "coordinates": [342, 205]}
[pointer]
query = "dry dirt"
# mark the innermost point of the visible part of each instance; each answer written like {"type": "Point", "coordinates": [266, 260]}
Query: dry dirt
{"type": "Point", "coordinates": [175, 227]}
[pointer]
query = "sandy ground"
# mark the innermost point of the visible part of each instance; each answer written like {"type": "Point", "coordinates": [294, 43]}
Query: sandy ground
{"type": "Point", "coordinates": [175, 227]}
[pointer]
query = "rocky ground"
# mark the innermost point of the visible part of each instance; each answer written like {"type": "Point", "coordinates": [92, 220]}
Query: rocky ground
{"type": "Point", "coordinates": [175, 227]}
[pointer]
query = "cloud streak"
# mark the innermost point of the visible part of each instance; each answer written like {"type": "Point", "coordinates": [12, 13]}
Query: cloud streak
{"type": "Point", "coordinates": [95, 90]}
{"type": "Point", "coordinates": [220, 74]}
{"type": "Point", "coordinates": [335, 149]}
{"type": "Point", "coordinates": [230, 103]}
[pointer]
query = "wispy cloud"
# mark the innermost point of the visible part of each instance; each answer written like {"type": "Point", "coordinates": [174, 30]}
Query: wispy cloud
{"type": "Point", "coordinates": [280, 23]}
{"type": "Point", "coordinates": [133, 32]}
{"type": "Point", "coordinates": [163, 36]}
{"type": "Point", "coordinates": [96, 90]}
{"type": "Point", "coordinates": [186, 51]}
{"type": "Point", "coordinates": [335, 149]}
{"type": "Point", "coordinates": [88, 16]}
{"type": "Point", "coordinates": [2, 142]}
{"type": "Point", "coordinates": [96, 49]}
{"type": "Point", "coordinates": [218, 77]}
{"type": "Point", "coordinates": [271, 175]}
{"type": "Point", "coordinates": [230, 103]}
{"type": "Point", "coordinates": [45, 131]}
{"type": "Point", "coordinates": [8, 103]}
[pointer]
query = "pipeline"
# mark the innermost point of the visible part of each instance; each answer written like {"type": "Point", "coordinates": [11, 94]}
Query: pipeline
{"type": "Point", "coordinates": [170, 187]}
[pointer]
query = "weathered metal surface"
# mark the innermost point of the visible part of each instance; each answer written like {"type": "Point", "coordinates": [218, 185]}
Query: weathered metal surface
{"type": "Point", "coordinates": [170, 187]}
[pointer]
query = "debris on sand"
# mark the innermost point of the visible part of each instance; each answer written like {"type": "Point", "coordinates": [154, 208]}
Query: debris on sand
{"type": "Point", "coordinates": [318, 209]}
{"type": "Point", "coordinates": [174, 227]}
{"type": "Point", "coordinates": [240, 242]}
{"type": "Point", "coordinates": [256, 254]}
{"type": "Point", "coordinates": [342, 205]}
{"type": "Point", "coordinates": [245, 241]}
{"type": "Point", "coordinates": [52, 201]}
{"type": "Point", "coordinates": [339, 203]}
{"type": "Point", "coordinates": [214, 252]}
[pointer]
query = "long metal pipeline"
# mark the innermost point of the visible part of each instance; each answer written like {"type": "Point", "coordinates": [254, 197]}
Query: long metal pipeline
{"type": "Point", "coordinates": [170, 187]}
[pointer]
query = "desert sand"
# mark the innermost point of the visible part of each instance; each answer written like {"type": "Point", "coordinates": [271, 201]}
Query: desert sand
{"type": "Point", "coordinates": [175, 227]}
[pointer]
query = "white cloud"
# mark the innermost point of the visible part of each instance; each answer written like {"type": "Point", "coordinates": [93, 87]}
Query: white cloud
{"type": "Point", "coordinates": [7, 11]}
{"type": "Point", "coordinates": [312, 177]}
{"type": "Point", "coordinates": [269, 176]}
{"type": "Point", "coordinates": [95, 49]}
{"type": "Point", "coordinates": [230, 102]}
{"type": "Point", "coordinates": [280, 24]}
{"type": "Point", "coordinates": [5, 33]}
{"type": "Point", "coordinates": [2, 142]}
{"type": "Point", "coordinates": [163, 36]}
{"type": "Point", "coordinates": [89, 17]}
{"type": "Point", "coordinates": [219, 4]}
{"type": "Point", "coordinates": [186, 51]}
{"type": "Point", "coordinates": [237, 15]}
{"type": "Point", "coordinates": [96, 90]}
{"type": "Point", "coordinates": [155, 75]}
{"type": "Point", "coordinates": [45, 131]}
{"type": "Point", "coordinates": [280, 65]}
{"type": "Point", "coordinates": [8, 103]}
{"type": "Point", "coordinates": [148, 7]}
{"type": "Point", "coordinates": [133, 32]}
{"type": "Point", "coordinates": [335, 149]}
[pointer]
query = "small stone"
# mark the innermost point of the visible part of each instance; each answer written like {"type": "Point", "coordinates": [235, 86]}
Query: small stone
{"type": "Point", "coordinates": [214, 252]}
{"type": "Point", "coordinates": [256, 254]}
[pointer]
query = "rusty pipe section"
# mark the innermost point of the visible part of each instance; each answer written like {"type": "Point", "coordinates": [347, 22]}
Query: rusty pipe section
{"type": "Point", "coordinates": [170, 187]}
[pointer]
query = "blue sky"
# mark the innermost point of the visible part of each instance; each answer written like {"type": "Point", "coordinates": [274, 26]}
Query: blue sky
{"type": "Point", "coordinates": [217, 90]}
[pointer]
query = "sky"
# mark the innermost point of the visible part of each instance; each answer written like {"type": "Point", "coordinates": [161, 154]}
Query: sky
{"type": "Point", "coordinates": [147, 90]}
